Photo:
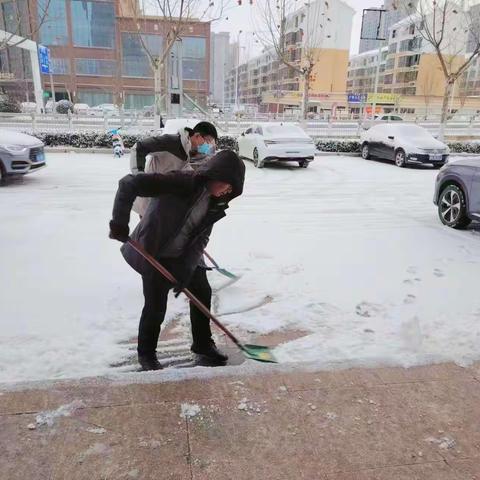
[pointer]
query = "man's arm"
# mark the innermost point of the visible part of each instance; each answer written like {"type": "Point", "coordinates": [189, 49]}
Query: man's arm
{"type": "Point", "coordinates": [144, 185]}
{"type": "Point", "coordinates": [145, 147]}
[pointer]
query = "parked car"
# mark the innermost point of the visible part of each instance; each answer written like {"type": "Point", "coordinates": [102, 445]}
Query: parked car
{"type": "Point", "coordinates": [388, 118]}
{"type": "Point", "coordinates": [19, 154]}
{"type": "Point", "coordinates": [369, 123]}
{"type": "Point", "coordinates": [28, 107]}
{"type": "Point", "coordinates": [457, 192]}
{"type": "Point", "coordinates": [405, 144]}
{"type": "Point", "coordinates": [103, 109]}
{"type": "Point", "coordinates": [276, 142]}
{"type": "Point", "coordinates": [173, 125]}
{"type": "Point", "coordinates": [81, 108]}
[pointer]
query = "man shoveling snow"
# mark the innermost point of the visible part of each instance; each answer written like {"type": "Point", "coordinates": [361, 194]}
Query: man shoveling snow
{"type": "Point", "coordinates": [175, 229]}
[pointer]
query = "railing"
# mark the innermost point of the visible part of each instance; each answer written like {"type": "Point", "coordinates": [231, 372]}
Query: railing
{"type": "Point", "coordinates": [461, 127]}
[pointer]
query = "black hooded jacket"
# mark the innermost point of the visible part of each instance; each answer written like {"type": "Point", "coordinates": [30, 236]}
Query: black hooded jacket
{"type": "Point", "coordinates": [174, 194]}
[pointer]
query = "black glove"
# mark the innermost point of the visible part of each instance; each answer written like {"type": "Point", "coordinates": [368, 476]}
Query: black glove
{"type": "Point", "coordinates": [119, 232]}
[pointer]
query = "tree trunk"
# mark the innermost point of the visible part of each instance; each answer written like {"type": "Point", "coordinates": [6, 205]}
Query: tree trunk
{"type": "Point", "coordinates": [157, 74]}
{"type": "Point", "coordinates": [446, 97]}
{"type": "Point", "coordinates": [306, 89]}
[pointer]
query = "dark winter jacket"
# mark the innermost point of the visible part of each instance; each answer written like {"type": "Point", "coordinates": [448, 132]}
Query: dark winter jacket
{"type": "Point", "coordinates": [174, 194]}
{"type": "Point", "coordinates": [171, 144]}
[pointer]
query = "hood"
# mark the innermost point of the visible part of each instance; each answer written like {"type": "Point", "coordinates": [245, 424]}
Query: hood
{"type": "Point", "coordinates": [225, 166]}
{"type": "Point", "coordinates": [11, 137]}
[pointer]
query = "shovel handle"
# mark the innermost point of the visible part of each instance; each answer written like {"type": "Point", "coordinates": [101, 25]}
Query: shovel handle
{"type": "Point", "coordinates": [161, 269]}
{"type": "Point", "coordinates": [212, 261]}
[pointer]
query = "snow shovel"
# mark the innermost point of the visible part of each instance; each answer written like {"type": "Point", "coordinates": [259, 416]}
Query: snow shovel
{"type": "Point", "coordinates": [219, 269]}
{"type": "Point", "coordinates": [255, 352]}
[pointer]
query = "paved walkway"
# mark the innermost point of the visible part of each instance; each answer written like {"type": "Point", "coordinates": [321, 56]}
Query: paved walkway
{"type": "Point", "coordinates": [378, 424]}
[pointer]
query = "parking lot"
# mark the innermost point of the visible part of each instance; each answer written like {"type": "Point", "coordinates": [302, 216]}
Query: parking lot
{"type": "Point", "coordinates": [350, 252]}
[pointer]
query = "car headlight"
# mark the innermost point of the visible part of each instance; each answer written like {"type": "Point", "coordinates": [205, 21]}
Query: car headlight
{"type": "Point", "coordinates": [15, 148]}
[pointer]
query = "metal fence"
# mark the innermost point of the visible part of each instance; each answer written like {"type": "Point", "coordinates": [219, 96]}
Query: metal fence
{"type": "Point", "coordinates": [136, 123]}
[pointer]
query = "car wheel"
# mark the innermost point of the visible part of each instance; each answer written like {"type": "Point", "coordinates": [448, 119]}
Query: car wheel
{"type": "Point", "coordinates": [400, 158]}
{"type": "Point", "coordinates": [303, 164]}
{"type": "Point", "coordinates": [3, 174]}
{"type": "Point", "coordinates": [452, 207]}
{"type": "Point", "coordinates": [365, 151]}
{"type": "Point", "coordinates": [256, 159]}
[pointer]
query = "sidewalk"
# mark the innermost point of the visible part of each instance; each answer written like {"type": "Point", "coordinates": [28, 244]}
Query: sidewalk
{"type": "Point", "coordinates": [363, 424]}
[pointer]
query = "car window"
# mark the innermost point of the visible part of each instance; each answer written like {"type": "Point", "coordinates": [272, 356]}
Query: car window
{"type": "Point", "coordinates": [259, 131]}
{"type": "Point", "coordinates": [411, 131]}
{"type": "Point", "coordinates": [248, 131]}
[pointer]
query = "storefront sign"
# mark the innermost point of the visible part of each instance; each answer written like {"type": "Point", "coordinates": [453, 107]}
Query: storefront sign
{"type": "Point", "coordinates": [382, 98]}
{"type": "Point", "coordinates": [357, 98]}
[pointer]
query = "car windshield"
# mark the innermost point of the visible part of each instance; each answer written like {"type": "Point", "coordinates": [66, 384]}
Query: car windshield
{"type": "Point", "coordinates": [284, 130]}
{"type": "Point", "coordinates": [412, 131]}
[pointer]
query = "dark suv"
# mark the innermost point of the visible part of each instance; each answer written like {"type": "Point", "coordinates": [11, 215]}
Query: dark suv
{"type": "Point", "coordinates": [457, 192]}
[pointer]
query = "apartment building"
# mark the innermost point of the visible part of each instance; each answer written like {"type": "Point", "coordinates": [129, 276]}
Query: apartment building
{"type": "Point", "coordinates": [410, 76]}
{"type": "Point", "coordinates": [275, 85]}
{"type": "Point", "coordinates": [97, 55]}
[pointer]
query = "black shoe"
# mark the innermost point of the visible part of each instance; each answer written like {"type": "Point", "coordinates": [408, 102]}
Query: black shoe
{"type": "Point", "coordinates": [149, 362]}
{"type": "Point", "coordinates": [210, 353]}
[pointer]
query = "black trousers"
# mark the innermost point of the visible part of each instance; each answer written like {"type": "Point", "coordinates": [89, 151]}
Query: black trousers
{"type": "Point", "coordinates": [155, 291]}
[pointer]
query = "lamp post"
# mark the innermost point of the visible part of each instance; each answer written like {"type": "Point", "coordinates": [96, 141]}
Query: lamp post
{"type": "Point", "coordinates": [238, 68]}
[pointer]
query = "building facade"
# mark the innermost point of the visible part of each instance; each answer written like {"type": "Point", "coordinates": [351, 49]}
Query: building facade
{"type": "Point", "coordinates": [221, 62]}
{"type": "Point", "coordinates": [410, 77]}
{"type": "Point", "coordinates": [274, 84]}
{"type": "Point", "coordinates": [97, 55]}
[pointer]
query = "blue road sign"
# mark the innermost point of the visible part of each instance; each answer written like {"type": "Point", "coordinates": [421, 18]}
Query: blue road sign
{"type": "Point", "coordinates": [357, 98]}
{"type": "Point", "coordinates": [44, 57]}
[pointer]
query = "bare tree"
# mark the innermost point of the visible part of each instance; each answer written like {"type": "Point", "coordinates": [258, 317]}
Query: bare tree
{"type": "Point", "coordinates": [176, 17]}
{"type": "Point", "coordinates": [446, 26]}
{"type": "Point", "coordinates": [282, 34]}
{"type": "Point", "coordinates": [22, 20]}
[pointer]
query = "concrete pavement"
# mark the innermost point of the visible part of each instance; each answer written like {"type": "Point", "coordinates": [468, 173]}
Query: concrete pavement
{"type": "Point", "coordinates": [363, 424]}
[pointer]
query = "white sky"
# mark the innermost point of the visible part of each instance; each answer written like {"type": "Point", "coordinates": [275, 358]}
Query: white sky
{"type": "Point", "coordinates": [241, 18]}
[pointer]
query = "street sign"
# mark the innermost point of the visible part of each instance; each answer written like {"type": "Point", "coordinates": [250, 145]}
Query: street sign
{"type": "Point", "coordinates": [357, 98]}
{"type": "Point", "coordinates": [44, 58]}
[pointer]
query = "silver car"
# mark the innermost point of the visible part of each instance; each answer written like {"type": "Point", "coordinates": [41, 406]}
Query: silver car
{"type": "Point", "coordinates": [19, 154]}
{"type": "Point", "coordinates": [457, 192]}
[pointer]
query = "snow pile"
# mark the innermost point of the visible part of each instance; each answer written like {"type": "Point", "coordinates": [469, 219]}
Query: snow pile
{"type": "Point", "coordinates": [48, 418]}
{"type": "Point", "coordinates": [189, 410]}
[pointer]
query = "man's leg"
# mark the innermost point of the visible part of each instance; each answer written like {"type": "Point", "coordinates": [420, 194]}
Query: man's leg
{"type": "Point", "coordinates": [155, 291]}
{"type": "Point", "coordinates": [201, 333]}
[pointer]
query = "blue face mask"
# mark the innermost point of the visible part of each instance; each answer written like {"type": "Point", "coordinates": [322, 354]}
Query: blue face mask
{"type": "Point", "coordinates": [206, 149]}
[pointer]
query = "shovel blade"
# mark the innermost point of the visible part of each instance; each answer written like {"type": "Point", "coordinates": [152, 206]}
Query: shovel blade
{"type": "Point", "coordinates": [226, 273]}
{"type": "Point", "coordinates": [259, 353]}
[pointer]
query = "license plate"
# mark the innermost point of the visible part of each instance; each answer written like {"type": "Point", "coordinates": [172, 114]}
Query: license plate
{"type": "Point", "coordinates": [40, 157]}
{"type": "Point", "coordinates": [436, 157]}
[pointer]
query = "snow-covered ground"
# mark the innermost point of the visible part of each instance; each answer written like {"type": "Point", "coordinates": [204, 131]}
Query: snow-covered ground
{"type": "Point", "coordinates": [351, 251]}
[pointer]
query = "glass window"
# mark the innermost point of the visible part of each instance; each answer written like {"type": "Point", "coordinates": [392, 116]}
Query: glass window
{"type": "Point", "coordinates": [94, 98]}
{"type": "Point", "coordinates": [136, 101]}
{"type": "Point", "coordinates": [135, 61]}
{"type": "Point", "coordinates": [53, 30]}
{"type": "Point", "coordinates": [93, 24]}
{"type": "Point", "coordinates": [59, 66]}
{"type": "Point", "coordinates": [194, 52]}
{"type": "Point", "coordinates": [93, 66]}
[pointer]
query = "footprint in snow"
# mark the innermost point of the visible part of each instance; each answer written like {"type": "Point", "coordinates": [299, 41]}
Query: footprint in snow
{"type": "Point", "coordinates": [291, 269]}
{"type": "Point", "coordinates": [367, 309]}
{"type": "Point", "coordinates": [409, 299]}
{"type": "Point", "coordinates": [438, 273]}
